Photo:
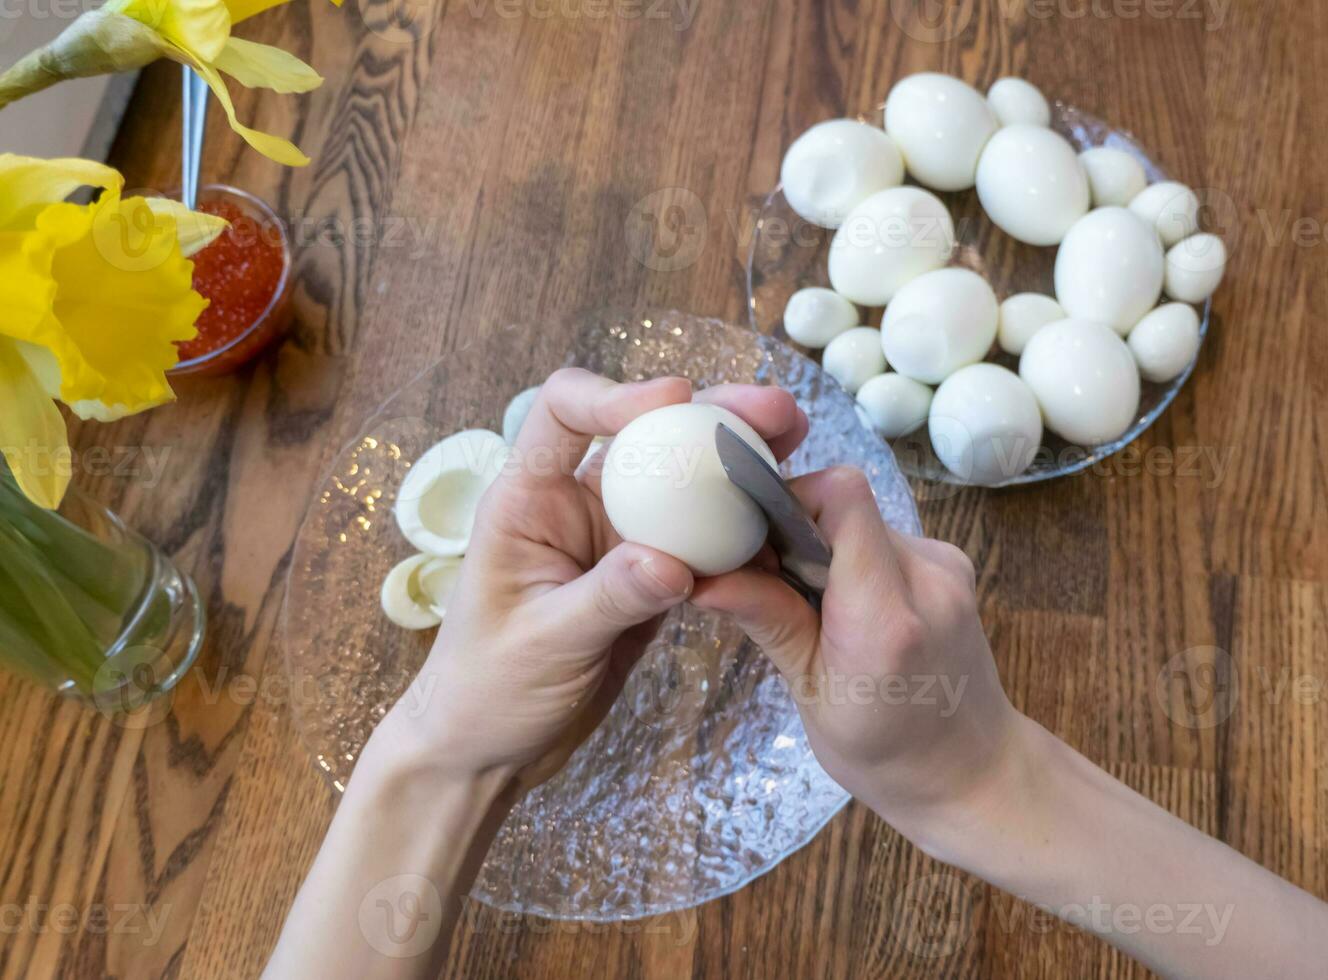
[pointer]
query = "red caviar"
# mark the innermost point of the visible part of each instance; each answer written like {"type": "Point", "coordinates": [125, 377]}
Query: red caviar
{"type": "Point", "coordinates": [239, 272]}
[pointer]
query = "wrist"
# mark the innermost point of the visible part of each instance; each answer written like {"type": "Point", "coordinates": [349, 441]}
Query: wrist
{"type": "Point", "coordinates": [405, 762]}
{"type": "Point", "coordinates": [969, 829]}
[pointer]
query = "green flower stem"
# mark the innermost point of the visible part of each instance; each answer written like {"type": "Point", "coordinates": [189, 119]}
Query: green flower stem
{"type": "Point", "coordinates": [23, 650]}
{"type": "Point", "coordinates": [108, 576]}
{"type": "Point", "coordinates": [66, 593]}
{"type": "Point", "coordinates": [33, 604]}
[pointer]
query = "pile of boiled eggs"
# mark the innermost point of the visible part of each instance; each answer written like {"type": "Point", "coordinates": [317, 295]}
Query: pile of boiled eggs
{"type": "Point", "coordinates": [1122, 245]}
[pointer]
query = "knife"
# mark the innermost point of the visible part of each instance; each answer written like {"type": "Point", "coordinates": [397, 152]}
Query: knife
{"type": "Point", "coordinates": [804, 557]}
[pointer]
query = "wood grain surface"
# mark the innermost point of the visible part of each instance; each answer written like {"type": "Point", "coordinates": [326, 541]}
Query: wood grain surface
{"type": "Point", "coordinates": [482, 162]}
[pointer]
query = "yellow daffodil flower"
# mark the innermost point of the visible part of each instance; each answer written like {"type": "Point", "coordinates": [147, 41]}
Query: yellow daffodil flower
{"type": "Point", "coordinates": [123, 35]}
{"type": "Point", "coordinates": [93, 299]}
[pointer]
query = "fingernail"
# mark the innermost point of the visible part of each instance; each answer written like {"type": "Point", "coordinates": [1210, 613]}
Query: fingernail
{"type": "Point", "coordinates": [661, 382]}
{"type": "Point", "coordinates": [662, 581]}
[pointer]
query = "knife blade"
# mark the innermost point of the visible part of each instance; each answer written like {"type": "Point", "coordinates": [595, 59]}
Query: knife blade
{"type": "Point", "coordinates": [804, 557]}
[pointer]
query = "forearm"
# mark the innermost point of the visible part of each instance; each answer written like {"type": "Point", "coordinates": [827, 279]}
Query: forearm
{"type": "Point", "coordinates": [1066, 836]}
{"type": "Point", "coordinates": [386, 887]}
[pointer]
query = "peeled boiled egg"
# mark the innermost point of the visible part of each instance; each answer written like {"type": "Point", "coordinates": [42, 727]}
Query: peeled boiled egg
{"type": "Point", "coordinates": [834, 166]}
{"type": "Point", "coordinates": [1195, 266]}
{"type": "Point", "coordinates": [815, 316]}
{"type": "Point", "coordinates": [888, 239]}
{"type": "Point", "coordinates": [984, 424]}
{"type": "Point", "coordinates": [1171, 208]}
{"type": "Point", "coordinates": [940, 125]}
{"type": "Point", "coordinates": [894, 405]}
{"type": "Point", "coordinates": [1084, 378]}
{"type": "Point", "coordinates": [1023, 315]}
{"type": "Point", "coordinates": [1031, 183]}
{"type": "Point", "coordinates": [1165, 341]}
{"type": "Point", "coordinates": [665, 487]}
{"type": "Point", "coordinates": [514, 416]}
{"type": "Point", "coordinates": [1114, 177]}
{"type": "Point", "coordinates": [1014, 100]}
{"type": "Point", "coordinates": [436, 504]}
{"type": "Point", "coordinates": [853, 357]}
{"type": "Point", "coordinates": [1109, 269]}
{"type": "Point", "coordinates": [939, 322]}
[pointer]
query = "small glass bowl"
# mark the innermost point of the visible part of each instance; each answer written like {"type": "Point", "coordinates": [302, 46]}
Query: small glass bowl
{"type": "Point", "coordinates": [276, 316]}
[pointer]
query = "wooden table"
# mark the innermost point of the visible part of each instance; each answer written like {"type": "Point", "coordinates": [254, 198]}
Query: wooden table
{"type": "Point", "coordinates": [477, 163]}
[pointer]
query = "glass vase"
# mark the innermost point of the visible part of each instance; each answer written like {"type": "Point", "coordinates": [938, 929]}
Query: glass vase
{"type": "Point", "coordinates": [90, 608]}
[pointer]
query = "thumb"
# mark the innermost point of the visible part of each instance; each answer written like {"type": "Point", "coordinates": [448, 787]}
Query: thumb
{"type": "Point", "coordinates": [629, 585]}
{"type": "Point", "coordinates": [767, 608]}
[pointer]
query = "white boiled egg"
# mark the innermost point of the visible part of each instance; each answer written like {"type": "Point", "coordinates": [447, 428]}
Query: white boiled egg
{"type": "Point", "coordinates": [1165, 341]}
{"type": "Point", "coordinates": [938, 323]}
{"type": "Point", "coordinates": [893, 404]}
{"type": "Point", "coordinates": [1195, 266]}
{"type": "Point", "coordinates": [888, 239]}
{"type": "Point", "coordinates": [664, 486]}
{"type": "Point", "coordinates": [1014, 100]}
{"type": "Point", "coordinates": [1031, 184]}
{"type": "Point", "coordinates": [853, 357]}
{"type": "Point", "coordinates": [403, 598]}
{"type": "Point", "coordinates": [984, 424]}
{"type": "Point", "coordinates": [436, 504]}
{"type": "Point", "coordinates": [940, 125]}
{"type": "Point", "coordinates": [1109, 269]}
{"type": "Point", "coordinates": [1171, 208]}
{"type": "Point", "coordinates": [1085, 380]}
{"type": "Point", "coordinates": [834, 166]}
{"type": "Point", "coordinates": [514, 416]}
{"type": "Point", "coordinates": [815, 316]}
{"type": "Point", "coordinates": [1114, 177]}
{"type": "Point", "coordinates": [1023, 315]}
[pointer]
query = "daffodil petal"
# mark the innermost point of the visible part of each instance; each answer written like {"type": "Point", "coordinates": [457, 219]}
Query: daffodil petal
{"type": "Point", "coordinates": [200, 27]}
{"type": "Point", "coordinates": [256, 65]}
{"type": "Point", "coordinates": [29, 182]}
{"type": "Point", "coordinates": [26, 287]}
{"type": "Point", "coordinates": [43, 365]}
{"type": "Point", "coordinates": [124, 297]}
{"type": "Point", "coordinates": [272, 147]}
{"type": "Point", "coordinates": [96, 411]}
{"type": "Point", "coordinates": [33, 437]}
{"type": "Point", "coordinates": [244, 9]}
{"type": "Point", "coordinates": [194, 230]}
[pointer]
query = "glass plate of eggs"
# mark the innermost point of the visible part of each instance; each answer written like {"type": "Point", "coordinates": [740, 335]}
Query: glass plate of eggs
{"type": "Point", "coordinates": [789, 254]}
{"type": "Point", "coordinates": [700, 778]}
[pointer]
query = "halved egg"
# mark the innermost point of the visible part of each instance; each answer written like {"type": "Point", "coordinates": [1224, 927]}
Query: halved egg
{"type": "Point", "coordinates": [415, 593]}
{"type": "Point", "coordinates": [436, 504]}
{"type": "Point", "coordinates": [402, 599]}
{"type": "Point", "coordinates": [437, 581]}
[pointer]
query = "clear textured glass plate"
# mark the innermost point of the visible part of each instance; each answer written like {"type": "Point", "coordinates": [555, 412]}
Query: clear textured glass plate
{"type": "Point", "coordinates": [788, 254]}
{"type": "Point", "coordinates": [701, 778]}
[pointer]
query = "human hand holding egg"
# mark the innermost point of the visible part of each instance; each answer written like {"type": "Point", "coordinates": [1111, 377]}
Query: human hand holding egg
{"type": "Point", "coordinates": [552, 607]}
{"type": "Point", "coordinates": [1122, 247]}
